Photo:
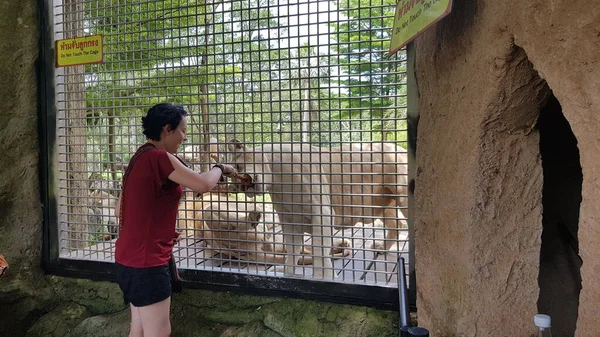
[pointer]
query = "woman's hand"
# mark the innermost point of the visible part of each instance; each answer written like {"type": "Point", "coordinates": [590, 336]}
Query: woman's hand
{"type": "Point", "coordinates": [177, 237]}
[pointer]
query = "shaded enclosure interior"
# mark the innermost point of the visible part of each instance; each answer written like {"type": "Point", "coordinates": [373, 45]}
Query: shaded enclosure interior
{"type": "Point", "coordinates": [559, 278]}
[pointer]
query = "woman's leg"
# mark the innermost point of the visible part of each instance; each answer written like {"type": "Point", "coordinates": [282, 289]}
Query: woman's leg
{"type": "Point", "coordinates": [155, 319]}
{"type": "Point", "coordinates": [136, 323]}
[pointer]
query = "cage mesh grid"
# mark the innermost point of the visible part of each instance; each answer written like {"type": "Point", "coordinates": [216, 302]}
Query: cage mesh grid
{"type": "Point", "coordinates": [302, 78]}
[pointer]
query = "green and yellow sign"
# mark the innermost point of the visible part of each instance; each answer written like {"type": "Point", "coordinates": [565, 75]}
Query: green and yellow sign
{"type": "Point", "coordinates": [80, 50]}
{"type": "Point", "coordinates": [415, 16]}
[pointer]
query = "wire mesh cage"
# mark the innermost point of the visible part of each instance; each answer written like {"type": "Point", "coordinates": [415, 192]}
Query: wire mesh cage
{"type": "Point", "coordinates": [300, 96]}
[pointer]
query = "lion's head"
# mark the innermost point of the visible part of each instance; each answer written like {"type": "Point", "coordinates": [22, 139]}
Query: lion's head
{"type": "Point", "coordinates": [252, 166]}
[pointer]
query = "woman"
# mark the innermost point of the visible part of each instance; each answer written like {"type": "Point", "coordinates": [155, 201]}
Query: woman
{"type": "Point", "coordinates": [147, 210]}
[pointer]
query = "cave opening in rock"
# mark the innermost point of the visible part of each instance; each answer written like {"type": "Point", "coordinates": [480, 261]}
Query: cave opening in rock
{"type": "Point", "coordinates": [559, 276]}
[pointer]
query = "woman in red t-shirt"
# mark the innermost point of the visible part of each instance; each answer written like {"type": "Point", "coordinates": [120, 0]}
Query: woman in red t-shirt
{"type": "Point", "coordinates": [147, 210]}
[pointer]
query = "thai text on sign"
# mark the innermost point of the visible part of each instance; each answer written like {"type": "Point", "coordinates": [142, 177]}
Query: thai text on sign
{"type": "Point", "coordinates": [413, 17]}
{"type": "Point", "coordinates": [80, 50]}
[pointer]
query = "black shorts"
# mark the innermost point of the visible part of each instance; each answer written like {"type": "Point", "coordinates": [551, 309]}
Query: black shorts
{"type": "Point", "coordinates": [144, 286]}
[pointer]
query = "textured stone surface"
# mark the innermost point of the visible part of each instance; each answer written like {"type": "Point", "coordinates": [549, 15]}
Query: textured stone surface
{"type": "Point", "coordinates": [21, 303]}
{"type": "Point", "coordinates": [113, 325]}
{"type": "Point", "coordinates": [59, 322]}
{"type": "Point", "coordinates": [66, 307]}
{"type": "Point", "coordinates": [224, 314]}
{"type": "Point", "coordinates": [20, 218]}
{"type": "Point", "coordinates": [48, 305]}
{"type": "Point", "coordinates": [207, 314]}
{"type": "Point", "coordinates": [479, 178]}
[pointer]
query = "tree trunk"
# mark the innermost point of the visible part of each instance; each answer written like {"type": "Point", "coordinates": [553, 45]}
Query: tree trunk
{"type": "Point", "coordinates": [111, 144]}
{"type": "Point", "coordinates": [306, 111]}
{"type": "Point", "coordinates": [206, 158]}
{"type": "Point", "coordinates": [75, 136]}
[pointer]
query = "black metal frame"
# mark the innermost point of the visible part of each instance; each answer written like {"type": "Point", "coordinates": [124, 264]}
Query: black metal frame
{"type": "Point", "coordinates": [357, 294]}
{"type": "Point", "coordinates": [413, 122]}
{"type": "Point", "coordinates": [47, 135]}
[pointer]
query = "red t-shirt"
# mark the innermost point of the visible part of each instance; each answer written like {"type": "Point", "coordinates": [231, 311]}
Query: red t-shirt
{"type": "Point", "coordinates": [150, 204]}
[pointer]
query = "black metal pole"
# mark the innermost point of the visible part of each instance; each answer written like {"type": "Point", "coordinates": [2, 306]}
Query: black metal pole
{"type": "Point", "coordinates": [405, 329]}
{"type": "Point", "coordinates": [402, 294]}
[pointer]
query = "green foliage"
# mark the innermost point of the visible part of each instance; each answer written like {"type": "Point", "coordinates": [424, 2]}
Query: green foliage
{"type": "Point", "coordinates": [375, 82]}
{"type": "Point", "coordinates": [258, 88]}
{"type": "Point", "coordinates": [151, 52]}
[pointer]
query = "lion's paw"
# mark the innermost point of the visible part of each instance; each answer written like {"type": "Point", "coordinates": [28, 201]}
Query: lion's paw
{"type": "Point", "coordinates": [378, 246]}
{"type": "Point", "coordinates": [341, 249]}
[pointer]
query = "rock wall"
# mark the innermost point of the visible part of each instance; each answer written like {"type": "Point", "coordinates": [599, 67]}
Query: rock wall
{"type": "Point", "coordinates": [95, 309]}
{"type": "Point", "coordinates": [33, 304]}
{"type": "Point", "coordinates": [484, 73]}
{"type": "Point", "coordinates": [20, 218]}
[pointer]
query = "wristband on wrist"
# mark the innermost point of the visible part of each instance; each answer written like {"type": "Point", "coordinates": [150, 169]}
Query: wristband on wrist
{"type": "Point", "coordinates": [220, 167]}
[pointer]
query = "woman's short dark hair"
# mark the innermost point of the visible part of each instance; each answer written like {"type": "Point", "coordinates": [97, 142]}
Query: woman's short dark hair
{"type": "Point", "coordinates": [160, 115]}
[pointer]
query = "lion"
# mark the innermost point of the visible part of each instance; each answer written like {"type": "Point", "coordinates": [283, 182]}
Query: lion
{"type": "Point", "coordinates": [316, 189]}
{"type": "Point", "coordinates": [231, 228]}
{"type": "Point", "coordinates": [237, 229]}
{"type": "Point", "coordinates": [101, 206]}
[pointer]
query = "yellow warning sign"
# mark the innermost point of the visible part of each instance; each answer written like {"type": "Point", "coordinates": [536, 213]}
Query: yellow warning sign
{"type": "Point", "coordinates": [413, 17]}
{"type": "Point", "coordinates": [80, 50]}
